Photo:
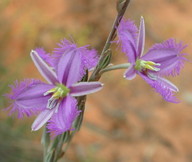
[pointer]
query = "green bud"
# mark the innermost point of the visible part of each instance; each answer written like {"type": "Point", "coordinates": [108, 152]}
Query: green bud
{"type": "Point", "coordinates": [106, 60]}
{"type": "Point", "coordinates": [120, 5]}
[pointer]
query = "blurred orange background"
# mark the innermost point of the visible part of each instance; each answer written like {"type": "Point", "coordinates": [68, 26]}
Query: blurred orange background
{"type": "Point", "coordinates": [127, 120]}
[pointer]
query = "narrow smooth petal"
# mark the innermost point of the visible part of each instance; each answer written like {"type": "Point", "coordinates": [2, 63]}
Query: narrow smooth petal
{"type": "Point", "coordinates": [130, 73]}
{"type": "Point", "coordinates": [43, 68]}
{"type": "Point", "coordinates": [141, 38]}
{"type": "Point", "coordinates": [62, 120]}
{"type": "Point", "coordinates": [127, 33]}
{"type": "Point", "coordinates": [165, 88]}
{"type": "Point", "coordinates": [69, 68]}
{"type": "Point", "coordinates": [169, 55]}
{"type": "Point", "coordinates": [42, 118]}
{"type": "Point", "coordinates": [45, 56]}
{"type": "Point", "coordinates": [84, 88]}
{"type": "Point", "coordinates": [168, 84]}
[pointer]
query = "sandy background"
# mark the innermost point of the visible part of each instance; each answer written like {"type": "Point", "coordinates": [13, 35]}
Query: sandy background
{"type": "Point", "coordinates": [126, 121]}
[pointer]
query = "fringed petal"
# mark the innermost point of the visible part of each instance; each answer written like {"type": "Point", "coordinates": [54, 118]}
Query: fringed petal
{"type": "Point", "coordinates": [162, 86]}
{"type": "Point", "coordinates": [27, 97]}
{"type": "Point", "coordinates": [62, 120]}
{"type": "Point", "coordinates": [89, 57]}
{"type": "Point", "coordinates": [45, 56]}
{"type": "Point", "coordinates": [127, 33]}
{"type": "Point", "coordinates": [169, 55]}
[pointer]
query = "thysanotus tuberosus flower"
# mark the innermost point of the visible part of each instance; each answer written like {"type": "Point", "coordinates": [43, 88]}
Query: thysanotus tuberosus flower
{"type": "Point", "coordinates": [55, 100]}
{"type": "Point", "coordinates": [163, 59]}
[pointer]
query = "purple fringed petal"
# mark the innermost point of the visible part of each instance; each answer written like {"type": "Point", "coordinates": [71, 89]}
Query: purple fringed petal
{"type": "Point", "coordinates": [64, 47]}
{"type": "Point", "coordinates": [34, 91]}
{"type": "Point", "coordinates": [42, 118]}
{"type": "Point", "coordinates": [130, 73]}
{"type": "Point", "coordinates": [84, 88]}
{"type": "Point", "coordinates": [28, 97]}
{"type": "Point", "coordinates": [45, 56]}
{"type": "Point", "coordinates": [127, 33]}
{"type": "Point", "coordinates": [162, 86]}
{"type": "Point", "coordinates": [169, 55]}
{"type": "Point", "coordinates": [62, 120]}
{"type": "Point", "coordinates": [69, 68]}
{"type": "Point", "coordinates": [141, 38]}
{"type": "Point", "coordinates": [89, 57]}
{"type": "Point", "coordinates": [43, 68]}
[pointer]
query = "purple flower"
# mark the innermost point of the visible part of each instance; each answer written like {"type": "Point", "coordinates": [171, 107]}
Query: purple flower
{"type": "Point", "coordinates": [56, 100]}
{"type": "Point", "coordinates": [163, 59]}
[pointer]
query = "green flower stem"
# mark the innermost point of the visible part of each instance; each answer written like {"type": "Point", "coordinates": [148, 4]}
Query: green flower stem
{"type": "Point", "coordinates": [115, 67]}
{"type": "Point", "coordinates": [121, 11]}
{"type": "Point", "coordinates": [45, 141]}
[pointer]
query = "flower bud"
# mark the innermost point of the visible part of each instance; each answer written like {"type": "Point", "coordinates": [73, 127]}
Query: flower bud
{"type": "Point", "coordinates": [120, 4]}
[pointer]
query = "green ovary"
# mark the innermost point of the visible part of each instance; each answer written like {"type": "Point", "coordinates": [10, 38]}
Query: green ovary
{"type": "Point", "coordinates": [60, 91]}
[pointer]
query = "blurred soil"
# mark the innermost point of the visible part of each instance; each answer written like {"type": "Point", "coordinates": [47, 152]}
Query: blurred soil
{"type": "Point", "coordinates": [126, 121]}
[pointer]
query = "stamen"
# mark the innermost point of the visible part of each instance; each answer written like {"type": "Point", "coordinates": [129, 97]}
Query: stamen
{"type": "Point", "coordinates": [57, 106]}
{"type": "Point", "coordinates": [153, 63]}
{"type": "Point", "coordinates": [52, 102]}
{"type": "Point", "coordinates": [58, 93]}
{"type": "Point", "coordinates": [152, 68]}
{"type": "Point", "coordinates": [142, 65]}
{"type": "Point", "coordinates": [50, 91]}
{"type": "Point", "coordinates": [151, 76]}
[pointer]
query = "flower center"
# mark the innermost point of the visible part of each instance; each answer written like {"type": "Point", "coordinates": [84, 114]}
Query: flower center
{"type": "Point", "coordinates": [58, 93]}
{"type": "Point", "coordinates": [142, 65]}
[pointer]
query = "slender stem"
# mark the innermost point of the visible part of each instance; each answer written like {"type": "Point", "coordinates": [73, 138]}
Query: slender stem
{"type": "Point", "coordinates": [45, 140]}
{"type": "Point", "coordinates": [116, 23]}
{"type": "Point", "coordinates": [68, 142]}
{"type": "Point", "coordinates": [95, 75]}
{"type": "Point", "coordinates": [115, 67]}
{"type": "Point", "coordinates": [58, 150]}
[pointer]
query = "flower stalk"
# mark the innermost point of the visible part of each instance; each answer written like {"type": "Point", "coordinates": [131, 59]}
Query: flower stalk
{"type": "Point", "coordinates": [121, 11]}
{"type": "Point", "coordinates": [115, 67]}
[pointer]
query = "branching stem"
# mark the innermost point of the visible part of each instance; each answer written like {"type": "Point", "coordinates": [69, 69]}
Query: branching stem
{"type": "Point", "coordinates": [115, 67]}
{"type": "Point", "coordinates": [95, 75]}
